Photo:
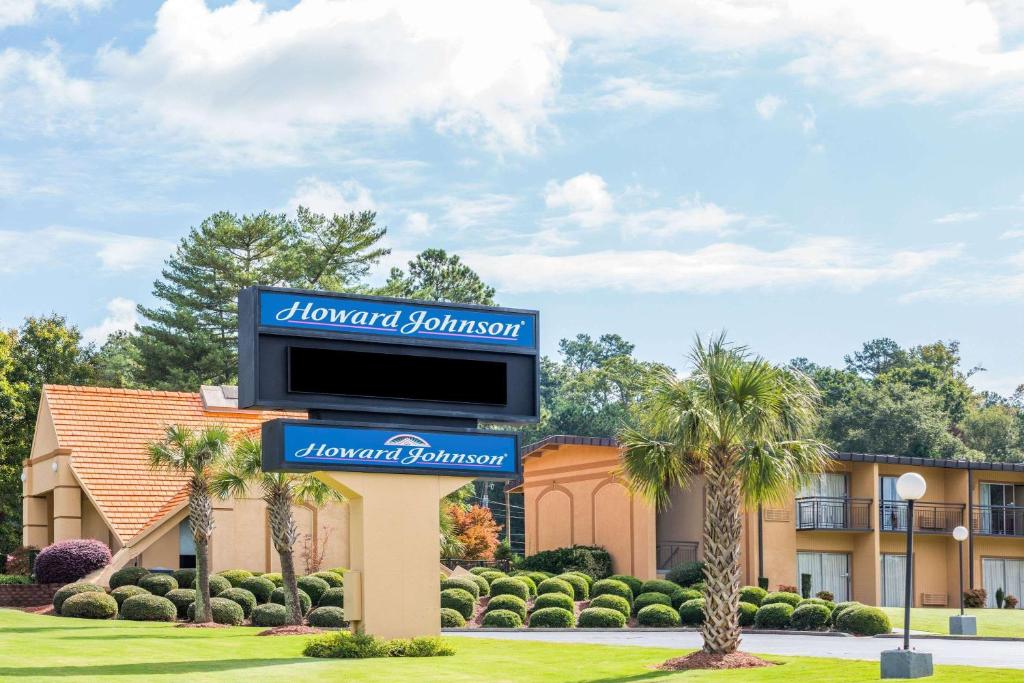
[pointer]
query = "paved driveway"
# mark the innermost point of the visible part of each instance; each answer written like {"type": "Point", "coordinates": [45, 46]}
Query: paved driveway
{"type": "Point", "coordinates": [973, 653]}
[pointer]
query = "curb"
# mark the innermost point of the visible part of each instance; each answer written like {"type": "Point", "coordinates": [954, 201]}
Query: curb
{"type": "Point", "coordinates": [646, 629]}
{"type": "Point", "coordinates": [943, 636]}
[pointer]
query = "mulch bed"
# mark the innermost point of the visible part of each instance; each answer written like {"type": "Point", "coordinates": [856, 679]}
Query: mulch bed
{"type": "Point", "coordinates": [706, 660]}
{"type": "Point", "coordinates": [188, 624]}
{"type": "Point", "coordinates": [293, 631]}
{"type": "Point", "coordinates": [38, 609]}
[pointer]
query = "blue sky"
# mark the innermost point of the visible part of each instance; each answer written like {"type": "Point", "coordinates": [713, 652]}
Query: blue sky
{"type": "Point", "coordinates": [806, 175]}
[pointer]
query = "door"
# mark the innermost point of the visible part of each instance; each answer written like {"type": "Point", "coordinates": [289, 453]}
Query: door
{"type": "Point", "coordinates": [893, 513]}
{"type": "Point", "coordinates": [996, 502]}
{"type": "Point", "coordinates": [829, 510]}
{"type": "Point", "coordinates": [894, 576]}
{"type": "Point", "coordinates": [997, 573]}
{"type": "Point", "coordinates": [829, 572]}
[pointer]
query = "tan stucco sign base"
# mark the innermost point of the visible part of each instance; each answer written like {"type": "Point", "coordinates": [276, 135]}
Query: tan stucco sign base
{"type": "Point", "coordinates": [393, 589]}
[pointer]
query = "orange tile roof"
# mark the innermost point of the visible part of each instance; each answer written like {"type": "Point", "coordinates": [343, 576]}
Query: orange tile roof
{"type": "Point", "coordinates": [108, 430]}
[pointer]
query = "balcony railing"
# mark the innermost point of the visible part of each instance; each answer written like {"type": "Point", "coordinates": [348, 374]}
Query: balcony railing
{"type": "Point", "coordinates": [819, 512]}
{"type": "Point", "coordinates": [998, 520]}
{"type": "Point", "coordinates": [934, 518]}
{"type": "Point", "coordinates": [672, 553]}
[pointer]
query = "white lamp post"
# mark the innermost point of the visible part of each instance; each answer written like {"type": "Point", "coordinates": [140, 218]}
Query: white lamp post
{"type": "Point", "coordinates": [962, 625]}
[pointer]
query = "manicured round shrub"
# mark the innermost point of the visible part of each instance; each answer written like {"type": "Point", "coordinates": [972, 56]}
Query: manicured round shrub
{"type": "Point", "coordinates": [531, 587]}
{"type": "Point", "coordinates": [464, 584]}
{"type": "Point", "coordinates": [333, 579]}
{"type": "Point", "coordinates": [89, 605]}
{"type": "Point", "coordinates": [185, 577]}
{"type": "Point", "coordinates": [451, 618]}
{"type": "Point", "coordinates": [701, 587]}
{"type": "Point", "coordinates": [492, 574]}
{"type": "Point", "coordinates": [559, 600]}
{"type": "Point", "coordinates": [122, 593]}
{"type": "Point", "coordinates": [332, 597]}
{"type": "Point", "coordinates": [773, 615]}
{"type": "Point", "coordinates": [269, 615]}
{"type": "Point", "coordinates": [459, 600]}
{"type": "Point", "coordinates": [235, 576]}
{"type": "Point", "coordinates": [274, 577]}
{"type": "Point", "coordinates": [555, 585]}
{"type": "Point", "coordinates": [613, 587]}
{"type": "Point", "coordinates": [482, 570]}
{"type": "Point", "coordinates": [315, 587]}
{"type": "Point", "coordinates": [148, 608]}
{"type": "Point", "coordinates": [551, 617]}
{"type": "Point", "coordinates": [791, 599]}
{"type": "Point", "coordinates": [481, 583]}
{"type": "Point", "coordinates": [840, 608]}
{"type": "Point", "coordinates": [580, 587]}
{"type": "Point", "coordinates": [658, 615]}
{"type": "Point", "coordinates": [752, 594]}
{"type": "Point", "coordinates": [600, 617]}
{"type": "Point", "coordinates": [182, 598]}
{"type": "Point", "coordinates": [260, 587]}
{"type": "Point", "coordinates": [609, 601]}
{"type": "Point", "coordinates": [747, 611]}
{"type": "Point", "coordinates": [536, 577]}
{"type": "Point", "coordinates": [691, 612]}
{"type": "Point", "coordinates": [327, 617]}
{"type": "Point", "coordinates": [71, 560]}
{"type": "Point", "coordinates": [218, 584]}
{"type": "Point", "coordinates": [686, 574]}
{"type": "Point", "coordinates": [304, 600]}
{"type": "Point", "coordinates": [810, 617]}
{"type": "Point", "coordinates": [158, 584]}
{"type": "Point", "coordinates": [634, 584]}
{"type": "Point", "coordinates": [681, 595]}
{"type": "Point", "coordinates": [502, 618]}
{"type": "Point", "coordinates": [509, 603]}
{"type": "Point", "coordinates": [818, 601]}
{"type": "Point", "coordinates": [127, 576]}
{"type": "Point", "coordinates": [340, 571]}
{"type": "Point", "coordinates": [645, 599]}
{"type": "Point", "coordinates": [245, 599]}
{"type": "Point", "coordinates": [585, 576]}
{"type": "Point", "coordinates": [658, 586]}
{"type": "Point", "coordinates": [224, 611]}
{"type": "Point", "coordinates": [509, 586]}
{"type": "Point", "coordinates": [864, 621]}
{"type": "Point", "coordinates": [67, 591]}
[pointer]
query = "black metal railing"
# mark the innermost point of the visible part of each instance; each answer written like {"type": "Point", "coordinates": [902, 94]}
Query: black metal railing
{"type": "Point", "coordinates": [997, 520]}
{"type": "Point", "coordinates": [821, 512]}
{"type": "Point", "coordinates": [673, 553]}
{"type": "Point", "coordinates": [503, 565]}
{"type": "Point", "coordinates": [936, 518]}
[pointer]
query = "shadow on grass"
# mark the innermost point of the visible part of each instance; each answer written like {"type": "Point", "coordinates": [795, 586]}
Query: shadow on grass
{"type": "Point", "coordinates": [646, 676]}
{"type": "Point", "coordinates": [148, 669]}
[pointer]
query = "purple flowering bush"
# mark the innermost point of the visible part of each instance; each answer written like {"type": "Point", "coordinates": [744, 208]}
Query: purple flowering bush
{"type": "Point", "coordinates": [67, 561]}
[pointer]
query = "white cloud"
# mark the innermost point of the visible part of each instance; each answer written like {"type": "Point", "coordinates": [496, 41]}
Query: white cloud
{"type": "Point", "coordinates": [586, 198]}
{"type": "Point", "coordinates": [768, 105]}
{"type": "Point", "coordinates": [418, 224]}
{"type": "Point", "coordinates": [627, 93]}
{"type": "Point", "coordinates": [121, 315]}
{"type": "Point", "coordinates": [690, 215]}
{"type": "Point", "coordinates": [23, 251]}
{"type": "Point", "coordinates": [482, 210]}
{"type": "Point", "coordinates": [1002, 280]}
{"type": "Point", "coordinates": [20, 12]}
{"type": "Point", "coordinates": [331, 198]}
{"type": "Point", "coordinates": [809, 120]}
{"type": "Point", "coordinates": [1012, 234]}
{"type": "Point", "coordinates": [957, 217]}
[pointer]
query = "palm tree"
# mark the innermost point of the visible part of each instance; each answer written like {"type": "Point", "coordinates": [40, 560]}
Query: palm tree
{"type": "Point", "coordinates": [744, 424]}
{"type": "Point", "coordinates": [195, 454]}
{"type": "Point", "coordinates": [280, 491]}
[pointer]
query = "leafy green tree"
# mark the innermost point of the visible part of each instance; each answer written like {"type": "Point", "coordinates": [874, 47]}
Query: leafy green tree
{"type": "Point", "coordinates": [996, 431]}
{"type": "Point", "coordinates": [438, 276]}
{"type": "Point", "coordinates": [118, 362]}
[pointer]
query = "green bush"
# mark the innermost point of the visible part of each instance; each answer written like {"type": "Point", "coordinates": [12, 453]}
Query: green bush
{"type": "Point", "coordinates": [274, 577]}
{"type": "Point", "coordinates": [551, 617]}
{"type": "Point", "coordinates": [810, 617]}
{"type": "Point", "coordinates": [701, 587]}
{"type": "Point", "coordinates": [531, 587]}
{"type": "Point", "coordinates": [634, 584]}
{"type": "Point", "coordinates": [747, 611]}
{"type": "Point", "coordinates": [218, 584]}
{"type": "Point", "coordinates": [333, 579]}
{"type": "Point", "coordinates": [345, 645]}
{"type": "Point", "coordinates": [691, 612]}
{"type": "Point", "coordinates": [122, 593]}
{"type": "Point", "coordinates": [451, 618]}
{"type": "Point", "coordinates": [580, 587]}
{"type": "Point", "coordinates": [556, 586]}
{"type": "Point", "coordinates": [224, 611]}
{"type": "Point", "coordinates": [864, 621]}
{"type": "Point", "coordinates": [645, 599]}
{"type": "Point", "coordinates": [158, 584]}
{"type": "Point", "coordinates": [184, 577]}
{"type": "Point", "coordinates": [315, 587]}
{"type": "Point", "coordinates": [791, 599]}
{"type": "Point", "coordinates": [536, 577]}
{"type": "Point", "coordinates": [182, 598]}
{"type": "Point", "coordinates": [607, 601]}
{"type": "Point", "coordinates": [481, 583]}
{"type": "Point", "coordinates": [840, 608]}
{"type": "Point", "coordinates": [464, 584]}
{"type": "Point", "coordinates": [424, 646]}
{"type": "Point", "coordinates": [340, 571]}
{"type": "Point", "coordinates": [658, 615]}
{"type": "Point", "coordinates": [586, 577]}
{"type": "Point", "coordinates": [67, 591]}
{"type": "Point", "coordinates": [559, 600]}
{"type": "Point", "coordinates": [752, 594]}
{"type": "Point", "coordinates": [327, 617]}
{"type": "Point", "coordinates": [246, 600]}
{"type": "Point", "coordinates": [334, 597]}
{"type": "Point", "coordinates": [481, 570]}
{"type": "Point", "coordinates": [14, 580]}
{"type": "Point", "coordinates": [818, 601]}
{"type": "Point", "coordinates": [509, 586]}
{"type": "Point", "coordinates": [613, 587]}
{"type": "Point", "coordinates": [148, 608]}
{"type": "Point", "coordinates": [774, 615]}
{"type": "Point", "coordinates": [459, 600]}
{"type": "Point", "coordinates": [304, 599]}
{"type": "Point", "coordinates": [600, 617]}
{"type": "Point", "coordinates": [592, 560]}
{"type": "Point", "coordinates": [236, 576]}
{"type": "Point", "coordinates": [89, 605]}
{"type": "Point", "coordinates": [127, 576]}
{"type": "Point", "coordinates": [510, 603]}
{"type": "Point", "coordinates": [681, 595]}
{"type": "Point", "coordinates": [259, 587]}
{"type": "Point", "coordinates": [503, 618]}
{"type": "Point", "coordinates": [491, 574]}
{"type": "Point", "coordinates": [658, 586]}
{"type": "Point", "coordinates": [269, 615]}
{"type": "Point", "coordinates": [686, 574]}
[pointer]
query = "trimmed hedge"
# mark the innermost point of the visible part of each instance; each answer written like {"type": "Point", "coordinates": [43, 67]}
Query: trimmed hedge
{"type": "Point", "coordinates": [681, 595]}
{"type": "Point", "coordinates": [459, 600]}
{"type": "Point", "coordinates": [753, 594]}
{"type": "Point", "coordinates": [658, 586]}
{"type": "Point", "coordinates": [274, 577]}
{"type": "Point", "coordinates": [586, 577]}
{"type": "Point", "coordinates": [122, 593]}
{"type": "Point", "coordinates": [536, 577]}
{"type": "Point", "coordinates": [182, 598]}
{"type": "Point", "coordinates": [304, 599]}
{"type": "Point", "coordinates": [592, 560]}
{"type": "Point", "coordinates": [774, 615]}
{"type": "Point", "coordinates": [245, 599]}
{"type": "Point", "coordinates": [481, 583]}
{"type": "Point", "coordinates": [158, 584]}
{"type": "Point", "coordinates": [333, 579]}
{"type": "Point", "coordinates": [818, 601]}
{"type": "Point", "coordinates": [149, 608]}
{"type": "Point", "coordinates": [810, 617]}
{"type": "Point", "coordinates": [600, 617]}
{"type": "Point", "coordinates": [127, 576]}
{"type": "Point", "coordinates": [531, 587]}
{"type": "Point", "coordinates": [236, 576]}
{"type": "Point", "coordinates": [14, 580]}
{"type": "Point", "coordinates": [340, 571]}
{"type": "Point", "coordinates": [509, 586]}
{"type": "Point", "coordinates": [71, 560]}
{"type": "Point", "coordinates": [647, 599]}
{"type": "Point", "coordinates": [502, 618]}
{"type": "Point", "coordinates": [609, 601]}
{"type": "Point", "coordinates": [864, 621]}
{"type": "Point", "coordinates": [492, 575]}
{"type": "Point", "coordinates": [224, 612]}
{"type": "Point", "coordinates": [334, 597]}
{"type": "Point", "coordinates": [747, 610]}
{"type": "Point", "coordinates": [89, 605]}
{"type": "Point", "coordinates": [551, 617]}
{"type": "Point", "coordinates": [218, 584]}
{"type": "Point", "coordinates": [791, 599]}
{"type": "Point", "coordinates": [67, 591]}
{"type": "Point", "coordinates": [327, 617]}
{"type": "Point", "coordinates": [840, 608]}
{"type": "Point", "coordinates": [315, 587]}
{"type": "Point", "coordinates": [691, 612]}
{"type": "Point", "coordinates": [556, 586]}
{"type": "Point", "coordinates": [686, 574]}
{"type": "Point", "coordinates": [345, 645]}
{"type": "Point", "coordinates": [559, 600]}
{"type": "Point", "coordinates": [185, 577]}
{"type": "Point", "coordinates": [658, 615]}
{"type": "Point", "coordinates": [260, 587]}
{"type": "Point", "coordinates": [634, 583]}
{"type": "Point", "coordinates": [580, 587]}
{"type": "Point", "coordinates": [613, 587]}
{"type": "Point", "coordinates": [269, 615]}
{"type": "Point", "coordinates": [451, 618]}
{"type": "Point", "coordinates": [464, 584]}
{"type": "Point", "coordinates": [481, 570]}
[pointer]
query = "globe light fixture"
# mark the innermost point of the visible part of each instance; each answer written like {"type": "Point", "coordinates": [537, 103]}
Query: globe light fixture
{"type": "Point", "coordinates": [962, 625]}
{"type": "Point", "coordinates": [54, 466]}
{"type": "Point", "coordinates": [960, 534]}
{"type": "Point", "coordinates": [911, 486]}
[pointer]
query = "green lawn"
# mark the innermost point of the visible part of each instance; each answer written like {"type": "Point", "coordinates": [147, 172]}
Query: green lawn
{"type": "Point", "coordinates": [991, 622]}
{"type": "Point", "coordinates": [39, 648]}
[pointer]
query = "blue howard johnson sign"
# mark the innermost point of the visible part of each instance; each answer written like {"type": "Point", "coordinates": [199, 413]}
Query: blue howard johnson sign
{"type": "Point", "coordinates": [344, 447]}
{"type": "Point", "coordinates": [397, 319]}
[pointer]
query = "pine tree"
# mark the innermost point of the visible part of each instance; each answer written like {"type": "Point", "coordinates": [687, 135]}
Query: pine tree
{"type": "Point", "coordinates": [435, 275]}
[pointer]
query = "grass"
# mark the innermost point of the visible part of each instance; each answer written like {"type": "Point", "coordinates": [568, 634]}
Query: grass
{"type": "Point", "coordinates": [40, 648]}
{"type": "Point", "coordinates": [991, 622]}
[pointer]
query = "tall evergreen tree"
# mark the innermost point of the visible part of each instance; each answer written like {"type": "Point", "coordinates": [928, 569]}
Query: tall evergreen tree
{"type": "Point", "coordinates": [435, 275]}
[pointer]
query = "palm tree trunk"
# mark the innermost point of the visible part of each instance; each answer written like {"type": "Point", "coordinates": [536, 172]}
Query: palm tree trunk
{"type": "Point", "coordinates": [722, 529]}
{"type": "Point", "coordinates": [284, 532]}
{"type": "Point", "coordinates": [200, 510]}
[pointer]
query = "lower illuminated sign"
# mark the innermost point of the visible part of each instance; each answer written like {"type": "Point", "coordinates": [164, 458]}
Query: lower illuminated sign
{"type": "Point", "coordinates": [291, 445]}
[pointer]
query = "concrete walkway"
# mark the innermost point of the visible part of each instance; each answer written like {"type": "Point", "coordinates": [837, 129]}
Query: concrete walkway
{"type": "Point", "coordinates": [971, 653]}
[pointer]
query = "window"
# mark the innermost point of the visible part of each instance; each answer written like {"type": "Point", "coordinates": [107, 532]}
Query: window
{"type": "Point", "coordinates": [893, 515]}
{"type": "Point", "coordinates": [998, 573]}
{"type": "Point", "coordinates": [186, 546]}
{"type": "Point", "coordinates": [830, 510]}
{"type": "Point", "coordinates": [829, 572]}
{"type": "Point", "coordinates": [894, 580]}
